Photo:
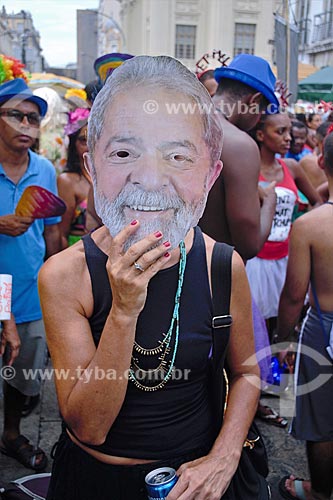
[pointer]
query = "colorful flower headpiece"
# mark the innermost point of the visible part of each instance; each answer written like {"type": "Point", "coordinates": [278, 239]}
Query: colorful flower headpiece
{"type": "Point", "coordinates": [76, 120]}
{"type": "Point", "coordinates": [81, 93]}
{"type": "Point", "coordinates": [77, 98]}
{"type": "Point", "coordinates": [11, 68]}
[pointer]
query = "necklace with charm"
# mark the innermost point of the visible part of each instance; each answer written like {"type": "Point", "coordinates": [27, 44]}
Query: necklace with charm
{"type": "Point", "coordinates": [166, 349]}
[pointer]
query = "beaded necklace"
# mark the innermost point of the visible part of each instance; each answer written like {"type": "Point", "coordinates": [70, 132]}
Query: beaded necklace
{"type": "Point", "coordinates": [166, 352]}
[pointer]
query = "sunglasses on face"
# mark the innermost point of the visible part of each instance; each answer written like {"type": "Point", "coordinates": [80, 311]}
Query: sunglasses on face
{"type": "Point", "coordinates": [14, 115]}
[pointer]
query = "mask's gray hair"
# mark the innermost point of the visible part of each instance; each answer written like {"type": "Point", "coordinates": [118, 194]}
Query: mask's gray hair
{"type": "Point", "coordinates": [162, 72]}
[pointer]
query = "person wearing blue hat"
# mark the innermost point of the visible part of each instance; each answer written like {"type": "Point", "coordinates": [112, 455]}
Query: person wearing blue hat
{"type": "Point", "coordinates": [235, 211]}
{"type": "Point", "coordinates": [254, 72]}
{"type": "Point", "coordinates": [17, 90]}
{"type": "Point", "coordinates": [24, 244]}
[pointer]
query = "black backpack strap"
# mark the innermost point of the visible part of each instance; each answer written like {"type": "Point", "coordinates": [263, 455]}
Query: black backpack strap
{"type": "Point", "coordinates": [221, 291]}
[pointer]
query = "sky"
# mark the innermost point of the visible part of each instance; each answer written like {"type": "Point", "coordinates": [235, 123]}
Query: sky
{"type": "Point", "coordinates": [56, 22]}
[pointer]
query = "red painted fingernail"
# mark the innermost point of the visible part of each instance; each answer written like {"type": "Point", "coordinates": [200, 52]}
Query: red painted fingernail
{"type": "Point", "coordinates": [166, 254]}
{"type": "Point", "coordinates": [167, 244]}
{"type": "Point", "coordinates": [158, 234]}
{"type": "Point", "coordinates": [134, 222]}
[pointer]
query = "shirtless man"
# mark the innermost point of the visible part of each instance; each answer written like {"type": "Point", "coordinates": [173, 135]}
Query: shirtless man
{"type": "Point", "coordinates": [234, 212]}
{"type": "Point", "coordinates": [121, 287]}
{"type": "Point", "coordinates": [311, 263]}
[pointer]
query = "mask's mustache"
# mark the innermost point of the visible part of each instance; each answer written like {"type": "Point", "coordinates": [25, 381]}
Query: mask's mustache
{"type": "Point", "coordinates": [160, 201]}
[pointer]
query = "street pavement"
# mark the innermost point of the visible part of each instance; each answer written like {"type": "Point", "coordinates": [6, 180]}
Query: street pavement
{"type": "Point", "coordinates": [42, 427]}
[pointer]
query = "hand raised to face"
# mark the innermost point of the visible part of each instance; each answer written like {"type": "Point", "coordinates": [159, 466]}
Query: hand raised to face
{"type": "Point", "coordinates": [130, 271]}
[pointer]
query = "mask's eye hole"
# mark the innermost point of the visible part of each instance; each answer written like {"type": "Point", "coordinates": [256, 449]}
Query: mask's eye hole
{"type": "Point", "coordinates": [122, 154]}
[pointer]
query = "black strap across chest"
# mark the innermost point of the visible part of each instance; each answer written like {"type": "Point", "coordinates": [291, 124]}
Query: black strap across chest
{"type": "Point", "coordinates": [221, 291]}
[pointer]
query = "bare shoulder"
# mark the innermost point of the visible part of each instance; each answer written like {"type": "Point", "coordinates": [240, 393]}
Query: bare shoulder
{"type": "Point", "coordinates": [66, 263]}
{"type": "Point", "coordinates": [66, 179]}
{"type": "Point", "coordinates": [309, 161]}
{"type": "Point", "coordinates": [64, 279]}
{"type": "Point", "coordinates": [293, 165]}
{"type": "Point", "coordinates": [235, 137]}
{"type": "Point", "coordinates": [310, 225]}
{"type": "Point", "coordinates": [237, 261]}
{"type": "Point", "coordinates": [240, 153]}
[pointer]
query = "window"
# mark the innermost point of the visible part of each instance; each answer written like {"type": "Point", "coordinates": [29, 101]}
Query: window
{"type": "Point", "coordinates": [19, 27]}
{"type": "Point", "coordinates": [244, 38]}
{"type": "Point", "coordinates": [185, 41]}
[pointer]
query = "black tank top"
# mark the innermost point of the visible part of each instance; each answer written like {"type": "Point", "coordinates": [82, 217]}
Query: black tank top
{"type": "Point", "coordinates": [177, 418]}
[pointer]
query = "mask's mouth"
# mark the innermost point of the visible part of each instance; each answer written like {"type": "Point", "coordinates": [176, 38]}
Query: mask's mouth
{"type": "Point", "coordinates": [145, 208]}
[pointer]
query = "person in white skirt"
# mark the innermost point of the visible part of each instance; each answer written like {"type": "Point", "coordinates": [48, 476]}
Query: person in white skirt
{"type": "Point", "coordinates": [266, 272]}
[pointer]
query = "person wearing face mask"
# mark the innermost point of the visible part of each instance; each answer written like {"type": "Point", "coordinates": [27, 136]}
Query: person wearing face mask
{"type": "Point", "coordinates": [135, 303]}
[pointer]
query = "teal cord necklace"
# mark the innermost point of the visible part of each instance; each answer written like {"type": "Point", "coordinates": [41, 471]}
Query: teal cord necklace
{"type": "Point", "coordinates": [162, 373]}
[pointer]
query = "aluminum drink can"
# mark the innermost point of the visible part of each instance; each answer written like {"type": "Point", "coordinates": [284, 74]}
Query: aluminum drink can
{"type": "Point", "coordinates": [159, 482]}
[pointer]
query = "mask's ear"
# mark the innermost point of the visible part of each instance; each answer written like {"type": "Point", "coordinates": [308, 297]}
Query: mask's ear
{"type": "Point", "coordinates": [214, 172]}
{"type": "Point", "coordinates": [88, 164]}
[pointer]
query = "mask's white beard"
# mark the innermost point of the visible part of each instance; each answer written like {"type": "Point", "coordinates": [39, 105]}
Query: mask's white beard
{"type": "Point", "coordinates": [174, 228]}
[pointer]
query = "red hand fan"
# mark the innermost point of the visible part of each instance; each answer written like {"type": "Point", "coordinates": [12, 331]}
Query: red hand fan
{"type": "Point", "coordinates": [39, 203]}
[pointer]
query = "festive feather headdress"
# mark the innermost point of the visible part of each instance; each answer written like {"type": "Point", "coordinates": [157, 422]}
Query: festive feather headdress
{"type": "Point", "coordinates": [11, 68]}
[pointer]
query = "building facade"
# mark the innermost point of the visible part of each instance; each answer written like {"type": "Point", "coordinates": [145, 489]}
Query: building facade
{"type": "Point", "coordinates": [20, 39]}
{"type": "Point", "coordinates": [189, 29]}
{"type": "Point", "coordinates": [87, 29]}
{"type": "Point", "coordinates": [315, 21]}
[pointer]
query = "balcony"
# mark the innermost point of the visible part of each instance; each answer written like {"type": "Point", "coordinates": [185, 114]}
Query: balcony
{"type": "Point", "coordinates": [323, 27]}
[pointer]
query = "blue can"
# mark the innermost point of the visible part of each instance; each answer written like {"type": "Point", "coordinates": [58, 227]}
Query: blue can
{"type": "Point", "coordinates": [159, 482]}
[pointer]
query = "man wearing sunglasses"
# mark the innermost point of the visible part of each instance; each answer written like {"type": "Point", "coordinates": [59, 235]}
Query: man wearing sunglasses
{"type": "Point", "coordinates": [25, 242]}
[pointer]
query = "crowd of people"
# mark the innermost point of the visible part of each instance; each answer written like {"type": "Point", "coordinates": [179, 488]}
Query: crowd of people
{"type": "Point", "coordinates": [128, 267]}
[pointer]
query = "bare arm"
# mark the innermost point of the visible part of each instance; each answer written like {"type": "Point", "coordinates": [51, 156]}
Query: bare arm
{"type": "Point", "coordinates": [303, 183]}
{"type": "Point", "coordinates": [267, 210]}
{"type": "Point", "coordinates": [66, 192]}
{"type": "Point", "coordinates": [297, 279]}
{"type": "Point", "coordinates": [209, 476]}
{"type": "Point", "coordinates": [10, 339]}
{"type": "Point", "coordinates": [52, 239]}
{"type": "Point", "coordinates": [90, 404]}
{"type": "Point", "coordinates": [249, 223]}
